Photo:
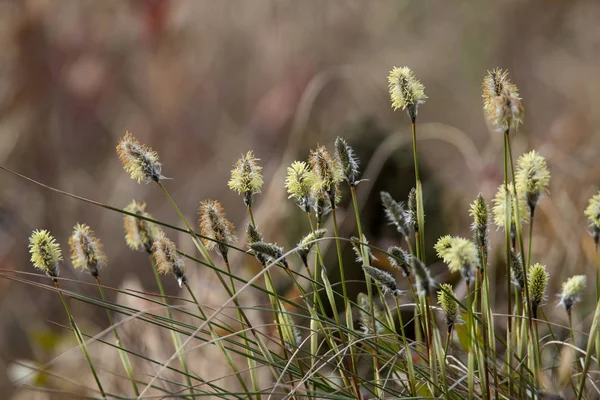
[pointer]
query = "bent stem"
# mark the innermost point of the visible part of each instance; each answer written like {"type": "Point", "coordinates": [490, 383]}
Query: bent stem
{"type": "Point", "coordinates": [123, 355]}
{"type": "Point", "coordinates": [80, 339]}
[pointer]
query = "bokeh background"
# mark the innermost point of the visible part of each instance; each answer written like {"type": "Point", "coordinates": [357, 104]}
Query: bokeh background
{"type": "Point", "coordinates": [204, 81]}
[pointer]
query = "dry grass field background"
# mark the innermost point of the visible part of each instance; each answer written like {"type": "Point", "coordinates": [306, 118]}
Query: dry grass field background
{"type": "Point", "coordinates": [204, 81]}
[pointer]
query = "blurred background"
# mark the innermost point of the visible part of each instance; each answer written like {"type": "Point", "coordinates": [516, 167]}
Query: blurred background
{"type": "Point", "coordinates": [202, 82]}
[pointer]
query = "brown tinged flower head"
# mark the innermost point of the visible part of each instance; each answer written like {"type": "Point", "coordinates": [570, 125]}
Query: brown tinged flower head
{"type": "Point", "coordinates": [299, 184]}
{"type": "Point", "coordinates": [538, 279]}
{"type": "Point", "coordinates": [383, 279]}
{"type": "Point", "coordinates": [328, 173]}
{"type": "Point", "coordinates": [139, 160]}
{"type": "Point", "coordinates": [139, 233]}
{"type": "Point", "coordinates": [270, 252]}
{"type": "Point", "coordinates": [167, 259]}
{"type": "Point", "coordinates": [571, 291]}
{"type": "Point", "coordinates": [400, 259]}
{"type": "Point", "coordinates": [307, 243]}
{"type": "Point", "coordinates": [500, 205]}
{"type": "Point", "coordinates": [348, 161]}
{"type": "Point", "coordinates": [246, 177]}
{"type": "Point", "coordinates": [592, 211]}
{"type": "Point", "coordinates": [396, 214]}
{"type": "Point", "coordinates": [516, 270]}
{"type": "Point", "coordinates": [45, 252]}
{"type": "Point", "coordinates": [501, 100]}
{"type": "Point", "coordinates": [215, 226]}
{"type": "Point", "coordinates": [406, 92]}
{"type": "Point", "coordinates": [86, 250]}
{"type": "Point", "coordinates": [532, 177]}
{"type": "Point", "coordinates": [411, 209]}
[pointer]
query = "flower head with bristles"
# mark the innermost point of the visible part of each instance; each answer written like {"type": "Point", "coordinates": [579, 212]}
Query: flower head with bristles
{"type": "Point", "coordinates": [460, 254]}
{"type": "Point", "coordinates": [400, 259]}
{"type": "Point", "coordinates": [533, 177]}
{"type": "Point", "coordinates": [492, 86]}
{"type": "Point", "coordinates": [501, 100]}
{"type": "Point", "coordinates": [359, 246]}
{"type": "Point", "coordinates": [246, 177]}
{"type": "Point", "coordinates": [299, 184]}
{"type": "Point", "coordinates": [448, 304]}
{"type": "Point", "coordinates": [443, 245]}
{"type": "Point", "coordinates": [480, 213]}
{"type": "Point", "coordinates": [396, 214]}
{"type": "Point", "coordinates": [140, 161]}
{"type": "Point", "coordinates": [425, 284]}
{"type": "Point", "coordinates": [538, 279]}
{"type": "Point", "coordinates": [270, 251]}
{"type": "Point", "coordinates": [328, 174]}
{"type": "Point", "coordinates": [383, 279]}
{"type": "Point", "coordinates": [348, 161]}
{"type": "Point", "coordinates": [411, 209]}
{"type": "Point", "coordinates": [406, 92]}
{"type": "Point", "coordinates": [139, 233]}
{"type": "Point", "coordinates": [86, 250]}
{"type": "Point", "coordinates": [306, 244]}
{"type": "Point", "coordinates": [253, 236]}
{"type": "Point", "coordinates": [500, 205]}
{"type": "Point", "coordinates": [516, 270]}
{"type": "Point", "coordinates": [571, 291]}
{"type": "Point", "coordinates": [215, 226]}
{"type": "Point", "coordinates": [592, 211]}
{"type": "Point", "coordinates": [167, 259]}
{"type": "Point", "coordinates": [45, 252]}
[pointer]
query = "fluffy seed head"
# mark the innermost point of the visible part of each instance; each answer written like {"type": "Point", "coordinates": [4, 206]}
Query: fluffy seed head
{"type": "Point", "coordinates": [500, 206]}
{"type": "Point", "coordinates": [411, 209]}
{"type": "Point", "coordinates": [214, 225]}
{"type": "Point", "coordinates": [448, 304]}
{"type": "Point", "coordinates": [167, 259]}
{"type": "Point", "coordinates": [460, 254]}
{"type": "Point", "coordinates": [328, 173]}
{"type": "Point", "coordinates": [299, 184]}
{"type": "Point", "coordinates": [538, 282]}
{"type": "Point", "coordinates": [443, 245]}
{"type": "Point", "coordinates": [396, 214]}
{"type": "Point", "coordinates": [533, 177]}
{"type": "Point", "coordinates": [501, 100]}
{"type": "Point", "coordinates": [593, 213]}
{"type": "Point", "coordinates": [492, 86]}
{"type": "Point", "coordinates": [383, 279]}
{"type": "Point", "coordinates": [572, 290]}
{"type": "Point", "coordinates": [139, 234]}
{"type": "Point", "coordinates": [45, 252]}
{"type": "Point", "coordinates": [140, 161]}
{"type": "Point", "coordinates": [348, 161]}
{"type": "Point", "coordinates": [404, 257]}
{"type": "Point", "coordinates": [86, 250]}
{"type": "Point", "coordinates": [306, 244]}
{"type": "Point", "coordinates": [406, 92]}
{"type": "Point", "coordinates": [270, 251]}
{"type": "Point", "coordinates": [480, 213]}
{"type": "Point", "coordinates": [246, 177]}
{"type": "Point", "coordinates": [425, 284]}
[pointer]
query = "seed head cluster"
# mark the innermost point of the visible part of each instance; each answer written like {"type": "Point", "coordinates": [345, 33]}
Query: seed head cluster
{"type": "Point", "coordinates": [87, 252]}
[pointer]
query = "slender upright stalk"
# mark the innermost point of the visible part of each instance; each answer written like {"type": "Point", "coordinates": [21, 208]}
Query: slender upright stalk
{"type": "Point", "coordinates": [507, 228]}
{"type": "Point", "coordinates": [122, 354]}
{"type": "Point", "coordinates": [80, 339]}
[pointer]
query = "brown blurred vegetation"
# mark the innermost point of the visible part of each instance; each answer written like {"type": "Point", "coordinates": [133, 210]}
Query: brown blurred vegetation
{"type": "Point", "coordinates": [204, 81]}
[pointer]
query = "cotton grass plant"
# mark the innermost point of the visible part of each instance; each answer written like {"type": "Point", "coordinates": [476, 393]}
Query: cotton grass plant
{"type": "Point", "coordinates": [325, 343]}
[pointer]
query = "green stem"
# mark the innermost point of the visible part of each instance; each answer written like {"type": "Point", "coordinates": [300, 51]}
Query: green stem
{"type": "Point", "coordinates": [415, 156]}
{"type": "Point", "coordinates": [80, 339]}
{"type": "Point", "coordinates": [122, 354]}
{"type": "Point", "coordinates": [507, 225]}
{"type": "Point", "coordinates": [409, 361]}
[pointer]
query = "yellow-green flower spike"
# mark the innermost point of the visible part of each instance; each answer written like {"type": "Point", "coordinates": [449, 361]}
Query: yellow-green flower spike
{"type": "Point", "coordinates": [480, 213]}
{"type": "Point", "coordinates": [45, 252]}
{"type": "Point", "coordinates": [246, 177]}
{"type": "Point", "coordinates": [463, 257]}
{"type": "Point", "coordinates": [406, 92]}
{"type": "Point", "coordinates": [139, 234]}
{"type": "Point", "coordinates": [214, 225]}
{"type": "Point", "coordinates": [443, 245]}
{"type": "Point", "coordinates": [140, 161]}
{"type": "Point", "coordinates": [592, 211]}
{"type": "Point", "coordinates": [572, 290]}
{"type": "Point", "coordinates": [538, 279]}
{"type": "Point", "coordinates": [532, 177]}
{"type": "Point", "coordinates": [500, 204]}
{"type": "Point", "coordinates": [448, 305]}
{"type": "Point", "coordinates": [86, 250]}
{"type": "Point", "coordinates": [299, 184]}
{"type": "Point", "coordinates": [167, 259]}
